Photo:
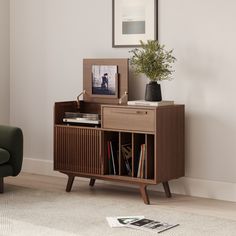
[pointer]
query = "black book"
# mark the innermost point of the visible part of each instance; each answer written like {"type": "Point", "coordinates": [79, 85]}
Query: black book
{"type": "Point", "coordinates": [137, 160]}
{"type": "Point", "coordinates": [110, 168]}
{"type": "Point", "coordinates": [114, 157]}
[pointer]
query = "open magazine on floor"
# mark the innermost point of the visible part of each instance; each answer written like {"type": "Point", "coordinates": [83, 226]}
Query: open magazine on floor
{"type": "Point", "coordinates": [122, 221]}
{"type": "Point", "coordinates": [151, 225]}
{"type": "Point", "coordinates": [139, 222]}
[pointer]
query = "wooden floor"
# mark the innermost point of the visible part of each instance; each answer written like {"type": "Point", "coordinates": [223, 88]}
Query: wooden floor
{"type": "Point", "coordinates": [189, 204]}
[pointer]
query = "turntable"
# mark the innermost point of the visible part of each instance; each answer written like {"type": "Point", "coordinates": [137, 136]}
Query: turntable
{"type": "Point", "coordinates": [82, 118]}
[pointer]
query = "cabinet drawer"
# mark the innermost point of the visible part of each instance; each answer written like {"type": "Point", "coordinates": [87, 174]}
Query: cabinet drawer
{"type": "Point", "coordinates": [135, 119]}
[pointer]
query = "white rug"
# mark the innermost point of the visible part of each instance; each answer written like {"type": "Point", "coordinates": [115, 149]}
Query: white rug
{"type": "Point", "coordinates": [27, 212]}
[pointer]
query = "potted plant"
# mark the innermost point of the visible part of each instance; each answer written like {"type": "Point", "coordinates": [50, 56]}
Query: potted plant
{"type": "Point", "coordinates": [155, 62]}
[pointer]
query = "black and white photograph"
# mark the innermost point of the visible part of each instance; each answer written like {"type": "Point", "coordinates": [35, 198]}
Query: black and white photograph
{"type": "Point", "coordinates": [151, 225]}
{"type": "Point", "coordinates": [104, 80]}
{"type": "Point", "coordinates": [134, 20]}
{"type": "Point", "coordinates": [139, 222]}
{"type": "Point", "coordinates": [122, 221]}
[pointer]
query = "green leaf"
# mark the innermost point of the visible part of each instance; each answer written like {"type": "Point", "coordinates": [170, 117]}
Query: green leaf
{"type": "Point", "coordinates": [153, 60]}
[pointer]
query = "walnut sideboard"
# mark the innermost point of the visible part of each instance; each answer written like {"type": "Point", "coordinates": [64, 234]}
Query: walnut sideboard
{"type": "Point", "coordinates": [85, 150]}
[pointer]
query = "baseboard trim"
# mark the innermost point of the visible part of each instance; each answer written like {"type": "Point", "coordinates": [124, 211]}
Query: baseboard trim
{"type": "Point", "coordinates": [40, 167]}
{"type": "Point", "coordinates": [186, 185]}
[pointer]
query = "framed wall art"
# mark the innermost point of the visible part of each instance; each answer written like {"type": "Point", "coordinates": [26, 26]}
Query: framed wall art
{"type": "Point", "coordinates": [134, 20]}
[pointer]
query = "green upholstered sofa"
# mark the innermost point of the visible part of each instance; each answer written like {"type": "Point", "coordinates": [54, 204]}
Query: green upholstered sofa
{"type": "Point", "coordinates": [11, 152]}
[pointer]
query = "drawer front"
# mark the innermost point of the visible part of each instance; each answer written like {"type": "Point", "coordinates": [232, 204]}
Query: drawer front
{"type": "Point", "coordinates": [134, 119]}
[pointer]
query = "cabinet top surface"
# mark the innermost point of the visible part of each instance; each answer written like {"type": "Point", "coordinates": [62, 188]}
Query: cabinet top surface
{"type": "Point", "coordinates": [141, 107]}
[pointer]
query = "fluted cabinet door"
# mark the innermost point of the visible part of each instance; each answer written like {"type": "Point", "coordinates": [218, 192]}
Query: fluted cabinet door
{"type": "Point", "coordinates": [77, 149]}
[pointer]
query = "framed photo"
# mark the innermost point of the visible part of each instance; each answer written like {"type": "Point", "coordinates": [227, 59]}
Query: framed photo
{"type": "Point", "coordinates": [134, 20]}
{"type": "Point", "coordinates": [104, 80]}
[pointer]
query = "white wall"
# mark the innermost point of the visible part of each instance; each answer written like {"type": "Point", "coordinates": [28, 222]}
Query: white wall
{"type": "Point", "coordinates": [49, 39]}
{"type": "Point", "coordinates": [4, 61]}
{"type": "Point", "coordinates": [203, 36]}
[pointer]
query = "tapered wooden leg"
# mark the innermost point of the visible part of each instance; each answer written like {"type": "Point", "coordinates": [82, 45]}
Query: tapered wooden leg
{"type": "Point", "coordinates": [70, 182]}
{"type": "Point", "coordinates": [1, 185]}
{"type": "Point", "coordinates": [143, 191]}
{"type": "Point", "coordinates": [167, 189]}
{"type": "Point", "coordinates": [92, 182]}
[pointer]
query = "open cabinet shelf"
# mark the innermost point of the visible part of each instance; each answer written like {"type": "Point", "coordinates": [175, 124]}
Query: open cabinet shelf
{"type": "Point", "coordinates": [130, 154]}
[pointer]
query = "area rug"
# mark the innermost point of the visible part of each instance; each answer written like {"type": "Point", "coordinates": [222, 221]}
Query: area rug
{"type": "Point", "coordinates": [83, 212]}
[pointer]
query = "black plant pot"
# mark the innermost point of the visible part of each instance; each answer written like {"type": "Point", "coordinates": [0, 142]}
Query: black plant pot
{"type": "Point", "coordinates": [153, 91]}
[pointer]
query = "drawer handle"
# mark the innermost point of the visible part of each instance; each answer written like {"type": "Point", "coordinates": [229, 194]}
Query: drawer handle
{"type": "Point", "coordinates": [131, 112]}
{"type": "Point", "coordinates": [141, 112]}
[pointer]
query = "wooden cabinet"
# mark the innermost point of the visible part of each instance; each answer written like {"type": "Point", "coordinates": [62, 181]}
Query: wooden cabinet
{"type": "Point", "coordinates": [155, 134]}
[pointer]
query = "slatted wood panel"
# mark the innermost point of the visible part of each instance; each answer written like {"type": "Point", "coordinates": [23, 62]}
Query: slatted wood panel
{"type": "Point", "coordinates": [77, 149]}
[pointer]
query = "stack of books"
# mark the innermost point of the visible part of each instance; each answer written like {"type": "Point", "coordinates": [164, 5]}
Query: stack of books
{"type": "Point", "coordinates": [149, 103]}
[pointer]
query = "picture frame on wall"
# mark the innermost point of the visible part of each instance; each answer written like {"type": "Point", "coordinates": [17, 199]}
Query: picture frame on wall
{"type": "Point", "coordinates": [134, 20]}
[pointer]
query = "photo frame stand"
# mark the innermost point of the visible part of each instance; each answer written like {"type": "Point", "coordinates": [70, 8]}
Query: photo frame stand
{"type": "Point", "coordinates": [121, 80]}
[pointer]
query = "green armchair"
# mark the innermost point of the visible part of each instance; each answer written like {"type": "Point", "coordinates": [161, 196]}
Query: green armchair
{"type": "Point", "coordinates": [11, 152]}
